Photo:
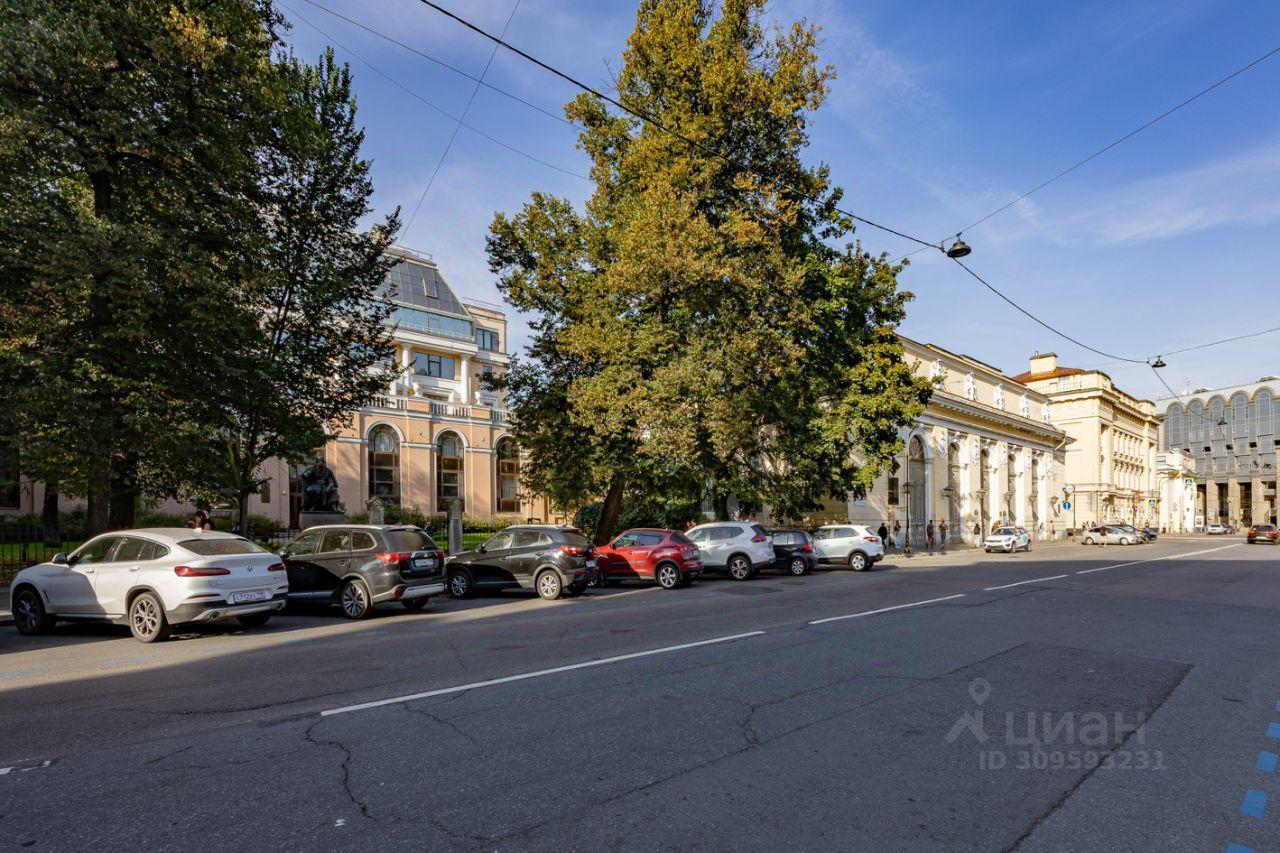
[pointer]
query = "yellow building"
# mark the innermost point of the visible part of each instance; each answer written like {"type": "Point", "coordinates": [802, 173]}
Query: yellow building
{"type": "Point", "coordinates": [1111, 463]}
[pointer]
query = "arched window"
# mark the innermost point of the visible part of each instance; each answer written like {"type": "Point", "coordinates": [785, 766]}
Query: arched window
{"type": "Point", "coordinates": [1173, 428]}
{"type": "Point", "coordinates": [917, 497]}
{"type": "Point", "coordinates": [1239, 415]}
{"type": "Point", "coordinates": [449, 470]}
{"type": "Point", "coordinates": [384, 464]}
{"type": "Point", "coordinates": [508, 476]}
{"type": "Point", "coordinates": [1196, 415]}
{"type": "Point", "coordinates": [1264, 408]}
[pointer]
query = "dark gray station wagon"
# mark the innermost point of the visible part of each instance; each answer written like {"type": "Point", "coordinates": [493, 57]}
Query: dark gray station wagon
{"type": "Point", "coordinates": [358, 566]}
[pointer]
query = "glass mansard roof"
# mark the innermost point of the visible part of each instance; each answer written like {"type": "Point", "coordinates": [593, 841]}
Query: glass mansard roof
{"type": "Point", "coordinates": [421, 286]}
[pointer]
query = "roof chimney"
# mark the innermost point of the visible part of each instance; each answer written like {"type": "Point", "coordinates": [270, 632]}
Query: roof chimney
{"type": "Point", "coordinates": [1046, 363]}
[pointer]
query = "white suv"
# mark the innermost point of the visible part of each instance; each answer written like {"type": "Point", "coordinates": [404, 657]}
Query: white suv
{"type": "Point", "coordinates": [152, 580]}
{"type": "Point", "coordinates": [740, 547]}
{"type": "Point", "coordinates": [853, 545]}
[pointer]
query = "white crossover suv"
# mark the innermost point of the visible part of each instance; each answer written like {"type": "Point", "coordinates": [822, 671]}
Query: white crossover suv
{"type": "Point", "coordinates": [741, 548]}
{"type": "Point", "coordinates": [1008, 539]}
{"type": "Point", "coordinates": [852, 545]}
{"type": "Point", "coordinates": [152, 580]}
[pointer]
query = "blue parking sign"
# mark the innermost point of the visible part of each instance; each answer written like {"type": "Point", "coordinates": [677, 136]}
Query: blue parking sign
{"type": "Point", "coordinates": [1066, 504]}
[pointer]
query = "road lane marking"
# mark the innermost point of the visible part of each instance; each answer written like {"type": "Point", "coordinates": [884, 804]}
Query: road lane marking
{"type": "Point", "coordinates": [1158, 559]}
{"type": "Point", "coordinates": [884, 609]}
{"type": "Point", "coordinates": [1020, 583]}
{"type": "Point", "coordinates": [444, 691]}
{"type": "Point", "coordinates": [1255, 803]}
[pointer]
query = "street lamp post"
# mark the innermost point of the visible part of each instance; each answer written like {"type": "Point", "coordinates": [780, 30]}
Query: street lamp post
{"type": "Point", "coordinates": [906, 495]}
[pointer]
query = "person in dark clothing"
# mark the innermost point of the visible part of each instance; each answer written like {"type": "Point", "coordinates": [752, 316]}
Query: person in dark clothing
{"type": "Point", "coordinates": [883, 533]}
{"type": "Point", "coordinates": [929, 534]}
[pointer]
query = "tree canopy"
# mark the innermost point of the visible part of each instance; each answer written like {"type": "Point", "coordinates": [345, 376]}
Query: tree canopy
{"type": "Point", "coordinates": [703, 321]}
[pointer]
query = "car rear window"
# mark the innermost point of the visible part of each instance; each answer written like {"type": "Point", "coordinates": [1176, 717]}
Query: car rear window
{"type": "Point", "coordinates": [681, 539]}
{"type": "Point", "coordinates": [646, 540]}
{"type": "Point", "coordinates": [574, 537]}
{"type": "Point", "coordinates": [220, 547]}
{"type": "Point", "coordinates": [410, 540]}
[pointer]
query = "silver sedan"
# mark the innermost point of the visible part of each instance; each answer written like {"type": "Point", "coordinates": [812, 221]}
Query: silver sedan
{"type": "Point", "coordinates": [1107, 535]}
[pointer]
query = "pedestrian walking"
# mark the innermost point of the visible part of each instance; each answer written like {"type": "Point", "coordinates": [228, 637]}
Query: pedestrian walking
{"type": "Point", "coordinates": [883, 533]}
{"type": "Point", "coordinates": [897, 535]}
{"type": "Point", "coordinates": [942, 534]}
{"type": "Point", "coordinates": [928, 535]}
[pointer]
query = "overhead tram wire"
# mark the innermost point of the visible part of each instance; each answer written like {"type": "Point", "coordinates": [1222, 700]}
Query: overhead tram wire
{"type": "Point", "coordinates": [443, 112]}
{"type": "Point", "coordinates": [466, 109]}
{"type": "Point", "coordinates": [418, 52]}
{"type": "Point", "coordinates": [650, 119]}
{"type": "Point", "coordinates": [1124, 138]}
{"type": "Point", "coordinates": [924, 244]}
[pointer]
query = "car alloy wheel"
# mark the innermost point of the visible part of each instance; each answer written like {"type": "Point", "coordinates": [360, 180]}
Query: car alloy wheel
{"type": "Point", "coordinates": [146, 619]}
{"type": "Point", "coordinates": [354, 600]}
{"type": "Point", "coordinates": [460, 585]}
{"type": "Point", "coordinates": [668, 576]}
{"type": "Point", "coordinates": [858, 561]}
{"type": "Point", "coordinates": [29, 613]}
{"type": "Point", "coordinates": [739, 568]}
{"type": "Point", "coordinates": [549, 585]}
{"type": "Point", "coordinates": [799, 567]}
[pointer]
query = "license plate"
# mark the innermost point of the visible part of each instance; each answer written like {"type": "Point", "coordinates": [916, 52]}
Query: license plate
{"type": "Point", "coordinates": [253, 595]}
{"type": "Point", "coordinates": [591, 564]}
{"type": "Point", "coordinates": [424, 563]}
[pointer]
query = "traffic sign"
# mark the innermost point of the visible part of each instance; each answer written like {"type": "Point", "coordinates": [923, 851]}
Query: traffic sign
{"type": "Point", "coordinates": [1069, 490]}
{"type": "Point", "coordinates": [1151, 502]}
{"type": "Point", "coordinates": [1066, 504]}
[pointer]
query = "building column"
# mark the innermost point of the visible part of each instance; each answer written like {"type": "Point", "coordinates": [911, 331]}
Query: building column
{"type": "Point", "coordinates": [1233, 499]}
{"type": "Point", "coordinates": [466, 380]}
{"type": "Point", "coordinates": [1261, 512]}
{"type": "Point", "coordinates": [965, 485]}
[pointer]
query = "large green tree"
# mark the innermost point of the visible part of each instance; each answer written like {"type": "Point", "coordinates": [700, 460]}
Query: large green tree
{"type": "Point", "coordinates": [703, 316]}
{"type": "Point", "coordinates": [129, 137]}
{"type": "Point", "coordinates": [312, 344]}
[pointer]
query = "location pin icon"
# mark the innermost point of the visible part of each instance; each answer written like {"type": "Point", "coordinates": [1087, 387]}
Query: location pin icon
{"type": "Point", "coordinates": [979, 690]}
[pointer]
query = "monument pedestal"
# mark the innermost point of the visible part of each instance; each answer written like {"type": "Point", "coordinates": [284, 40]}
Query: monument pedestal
{"type": "Point", "coordinates": [311, 519]}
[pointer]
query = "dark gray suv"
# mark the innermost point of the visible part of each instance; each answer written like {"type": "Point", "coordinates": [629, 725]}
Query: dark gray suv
{"type": "Point", "coordinates": [358, 566]}
{"type": "Point", "coordinates": [552, 559]}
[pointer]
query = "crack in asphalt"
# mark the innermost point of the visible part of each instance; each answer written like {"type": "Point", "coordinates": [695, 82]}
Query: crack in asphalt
{"type": "Point", "coordinates": [345, 766]}
{"type": "Point", "coordinates": [449, 724]}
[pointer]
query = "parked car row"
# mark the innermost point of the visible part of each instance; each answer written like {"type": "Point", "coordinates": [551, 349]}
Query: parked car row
{"type": "Point", "coordinates": [1117, 534]}
{"type": "Point", "coordinates": [157, 578]}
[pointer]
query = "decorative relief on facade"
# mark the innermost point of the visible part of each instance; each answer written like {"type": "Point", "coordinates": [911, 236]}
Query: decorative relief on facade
{"type": "Point", "coordinates": [999, 397]}
{"type": "Point", "coordinates": [970, 387]}
{"type": "Point", "coordinates": [1044, 412]}
{"type": "Point", "coordinates": [937, 371]}
{"type": "Point", "coordinates": [1024, 406]}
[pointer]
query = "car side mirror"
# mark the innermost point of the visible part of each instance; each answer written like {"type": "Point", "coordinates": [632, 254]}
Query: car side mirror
{"type": "Point", "coordinates": [285, 554]}
{"type": "Point", "coordinates": [480, 548]}
{"type": "Point", "coordinates": [60, 559]}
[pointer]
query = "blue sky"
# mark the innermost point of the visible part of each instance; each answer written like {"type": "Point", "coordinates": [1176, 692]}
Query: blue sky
{"type": "Point", "coordinates": [940, 114]}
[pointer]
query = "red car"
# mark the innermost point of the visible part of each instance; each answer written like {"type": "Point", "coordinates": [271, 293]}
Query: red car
{"type": "Point", "coordinates": [1264, 533]}
{"type": "Point", "coordinates": [666, 557]}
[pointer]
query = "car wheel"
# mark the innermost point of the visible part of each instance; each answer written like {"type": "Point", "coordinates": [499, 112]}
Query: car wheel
{"type": "Point", "coordinates": [667, 576]}
{"type": "Point", "coordinates": [549, 586]}
{"type": "Point", "coordinates": [740, 568]}
{"type": "Point", "coordinates": [147, 620]}
{"type": "Point", "coordinates": [460, 585]}
{"type": "Point", "coordinates": [253, 620]}
{"type": "Point", "coordinates": [415, 605]}
{"type": "Point", "coordinates": [798, 567]}
{"type": "Point", "coordinates": [29, 614]}
{"type": "Point", "coordinates": [988, 550]}
{"type": "Point", "coordinates": [1124, 541]}
{"type": "Point", "coordinates": [354, 599]}
{"type": "Point", "coordinates": [858, 561]}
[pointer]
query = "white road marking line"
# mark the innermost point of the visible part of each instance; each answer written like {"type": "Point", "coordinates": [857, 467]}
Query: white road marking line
{"type": "Point", "coordinates": [1020, 583]}
{"type": "Point", "coordinates": [1158, 559]}
{"type": "Point", "coordinates": [364, 706]}
{"type": "Point", "coordinates": [884, 609]}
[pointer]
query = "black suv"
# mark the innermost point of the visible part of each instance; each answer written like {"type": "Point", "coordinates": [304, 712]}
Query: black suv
{"type": "Point", "coordinates": [360, 565]}
{"type": "Point", "coordinates": [793, 551]}
{"type": "Point", "coordinates": [553, 559]}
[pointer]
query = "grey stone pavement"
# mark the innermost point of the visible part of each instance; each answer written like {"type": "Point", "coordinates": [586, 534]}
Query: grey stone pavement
{"type": "Point", "coordinates": [1067, 699]}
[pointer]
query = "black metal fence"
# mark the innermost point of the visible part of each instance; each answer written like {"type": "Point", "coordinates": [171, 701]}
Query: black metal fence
{"type": "Point", "coordinates": [22, 544]}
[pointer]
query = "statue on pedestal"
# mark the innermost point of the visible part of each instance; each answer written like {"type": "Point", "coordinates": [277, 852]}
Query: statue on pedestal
{"type": "Point", "coordinates": [319, 489]}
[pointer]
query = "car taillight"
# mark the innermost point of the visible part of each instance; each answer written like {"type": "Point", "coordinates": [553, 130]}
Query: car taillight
{"type": "Point", "coordinates": [871, 538]}
{"type": "Point", "coordinates": [276, 567]}
{"type": "Point", "coordinates": [199, 571]}
{"type": "Point", "coordinates": [394, 556]}
{"type": "Point", "coordinates": [806, 548]}
{"type": "Point", "coordinates": [759, 538]}
{"type": "Point", "coordinates": [573, 550]}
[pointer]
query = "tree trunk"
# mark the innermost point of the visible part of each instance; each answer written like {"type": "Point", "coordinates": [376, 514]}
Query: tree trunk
{"type": "Point", "coordinates": [609, 512]}
{"type": "Point", "coordinates": [720, 505]}
{"type": "Point", "coordinates": [123, 511]}
{"type": "Point", "coordinates": [242, 513]}
{"type": "Point", "coordinates": [49, 518]}
{"type": "Point", "coordinates": [97, 496]}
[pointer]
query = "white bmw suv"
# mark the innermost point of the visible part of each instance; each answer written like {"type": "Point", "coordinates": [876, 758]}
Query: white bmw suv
{"type": "Point", "coordinates": [740, 547]}
{"type": "Point", "coordinates": [852, 545]}
{"type": "Point", "coordinates": [151, 580]}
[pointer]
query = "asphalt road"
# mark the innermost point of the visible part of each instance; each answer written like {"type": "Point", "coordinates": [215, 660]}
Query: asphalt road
{"type": "Point", "coordinates": [1067, 699]}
